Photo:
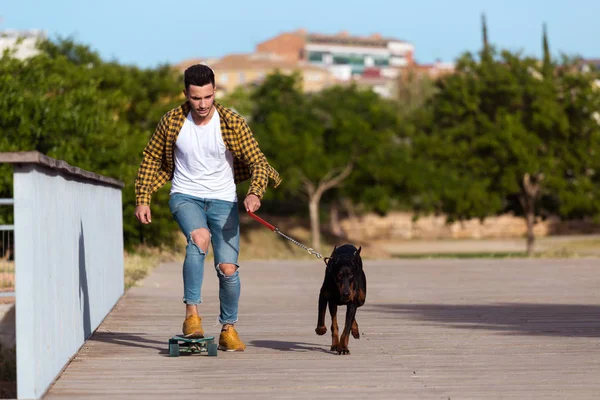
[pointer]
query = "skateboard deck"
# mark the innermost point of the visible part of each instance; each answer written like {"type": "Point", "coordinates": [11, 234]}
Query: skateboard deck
{"type": "Point", "coordinates": [179, 344]}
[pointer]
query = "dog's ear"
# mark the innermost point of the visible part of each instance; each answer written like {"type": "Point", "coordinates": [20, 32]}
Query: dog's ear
{"type": "Point", "coordinates": [358, 259]}
{"type": "Point", "coordinates": [328, 263]}
{"type": "Point", "coordinates": [357, 252]}
{"type": "Point", "coordinates": [334, 248]}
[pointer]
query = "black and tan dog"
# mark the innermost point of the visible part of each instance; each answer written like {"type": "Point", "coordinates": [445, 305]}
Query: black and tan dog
{"type": "Point", "coordinates": [344, 284]}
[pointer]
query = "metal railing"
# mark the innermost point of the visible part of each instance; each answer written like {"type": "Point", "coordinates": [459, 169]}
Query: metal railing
{"type": "Point", "coordinates": [7, 264]}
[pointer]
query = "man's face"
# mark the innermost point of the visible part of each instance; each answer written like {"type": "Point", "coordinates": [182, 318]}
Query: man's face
{"type": "Point", "coordinates": [201, 99]}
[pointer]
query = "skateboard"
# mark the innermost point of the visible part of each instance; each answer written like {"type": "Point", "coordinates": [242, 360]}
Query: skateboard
{"type": "Point", "coordinates": [179, 344]}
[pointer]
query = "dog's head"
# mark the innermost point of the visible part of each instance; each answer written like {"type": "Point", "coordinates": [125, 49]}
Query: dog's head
{"type": "Point", "coordinates": [344, 266]}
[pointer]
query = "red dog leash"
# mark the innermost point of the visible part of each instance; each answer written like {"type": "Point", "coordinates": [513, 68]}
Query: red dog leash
{"type": "Point", "coordinates": [276, 230]}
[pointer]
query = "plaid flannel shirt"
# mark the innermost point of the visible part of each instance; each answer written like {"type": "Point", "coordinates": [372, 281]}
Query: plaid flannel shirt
{"type": "Point", "coordinates": [157, 164]}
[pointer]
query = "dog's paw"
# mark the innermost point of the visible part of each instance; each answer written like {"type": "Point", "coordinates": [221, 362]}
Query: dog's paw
{"type": "Point", "coordinates": [321, 330]}
{"type": "Point", "coordinates": [335, 347]}
{"type": "Point", "coordinates": [343, 350]}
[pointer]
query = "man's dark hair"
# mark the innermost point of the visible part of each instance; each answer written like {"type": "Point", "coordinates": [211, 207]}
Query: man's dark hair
{"type": "Point", "coordinates": [198, 75]}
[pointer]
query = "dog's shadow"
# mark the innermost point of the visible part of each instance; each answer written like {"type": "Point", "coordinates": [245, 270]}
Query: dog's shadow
{"type": "Point", "coordinates": [288, 346]}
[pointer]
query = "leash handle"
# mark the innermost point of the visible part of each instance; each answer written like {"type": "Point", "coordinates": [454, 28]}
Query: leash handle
{"type": "Point", "coordinates": [262, 221]}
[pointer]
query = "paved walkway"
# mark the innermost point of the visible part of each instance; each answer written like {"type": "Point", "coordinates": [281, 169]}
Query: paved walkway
{"type": "Point", "coordinates": [431, 329]}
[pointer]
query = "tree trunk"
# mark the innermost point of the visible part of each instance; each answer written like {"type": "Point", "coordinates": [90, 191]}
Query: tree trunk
{"type": "Point", "coordinates": [530, 217]}
{"type": "Point", "coordinates": [334, 220]}
{"type": "Point", "coordinates": [531, 191]}
{"type": "Point", "coordinates": [354, 231]}
{"type": "Point", "coordinates": [313, 208]}
{"type": "Point", "coordinates": [315, 192]}
{"type": "Point", "coordinates": [349, 207]}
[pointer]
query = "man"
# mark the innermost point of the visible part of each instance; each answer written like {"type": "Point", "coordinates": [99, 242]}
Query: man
{"type": "Point", "coordinates": [205, 149]}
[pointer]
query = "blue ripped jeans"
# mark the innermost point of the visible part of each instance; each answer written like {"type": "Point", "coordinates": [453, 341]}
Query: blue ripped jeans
{"type": "Point", "coordinates": [222, 220]}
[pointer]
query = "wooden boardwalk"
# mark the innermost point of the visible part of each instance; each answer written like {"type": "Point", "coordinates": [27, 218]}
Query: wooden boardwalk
{"type": "Point", "coordinates": [431, 329]}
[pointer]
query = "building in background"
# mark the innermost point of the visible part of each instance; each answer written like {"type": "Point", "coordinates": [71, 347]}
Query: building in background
{"type": "Point", "coordinates": [590, 64]}
{"type": "Point", "coordinates": [374, 62]}
{"type": "Point", "coordinates": [24, 43]}
{"type": "Point", "coordinates": [372, 79]}
{"type": "Point", "coordinates": [433, 71]}
{"type": "Point", "coordinates": [236, 70]}
{"type": "Point", "coordinates": [345, 55]}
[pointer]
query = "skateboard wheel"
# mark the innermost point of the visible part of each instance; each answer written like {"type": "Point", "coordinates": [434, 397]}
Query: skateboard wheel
{"type": "Point", "coordinates": [173, 349]}
{"type": "Point", "coordinates": [212, 349]}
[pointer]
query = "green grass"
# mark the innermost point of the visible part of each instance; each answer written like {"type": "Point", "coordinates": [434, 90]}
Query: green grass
{"type": "Point", "coordinates": [583, 246]}
{"type": "Point", "coordinates": [7, 271]}
{"type": "Point", "coordinates": [559, 252]}
{"type": "Point", "coordinates": [141, 261]}
{"type": "Point", "coordinates": [517, 254]}
{"type": "Point", "coordinates": [7, 266]}
{"type": "Point", "coordinates": [255, 244]}
{"type": "Point", "coordinates": [262, 244]}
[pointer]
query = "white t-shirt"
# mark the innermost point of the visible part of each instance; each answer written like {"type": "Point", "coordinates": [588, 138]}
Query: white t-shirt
{"type": "Point", "coordinates": [203, 165]}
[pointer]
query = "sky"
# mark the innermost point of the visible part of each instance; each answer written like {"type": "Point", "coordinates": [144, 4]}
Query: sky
{"type": "Point", "coordinates": [148, 33]}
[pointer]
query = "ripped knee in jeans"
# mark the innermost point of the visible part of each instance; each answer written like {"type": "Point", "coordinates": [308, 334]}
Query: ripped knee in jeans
{"type": "Point", "coordinates": [227, 269]}
{"type": "Point", "coordinates": [200, 237]}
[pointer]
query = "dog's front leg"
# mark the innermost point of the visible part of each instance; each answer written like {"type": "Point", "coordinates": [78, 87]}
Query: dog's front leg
{"type": "Point", "coordinates": [335, 340]}
{"type": "Point", "coordinates": [321, 328]}
{"type": "Point", "coordinates": [350, 314]}
{"type": "Point", "coordinates": [354, 329]}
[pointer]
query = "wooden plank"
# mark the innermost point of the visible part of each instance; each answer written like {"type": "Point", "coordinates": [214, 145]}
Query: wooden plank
{"type": "Point", "coordinates": [494, 329]}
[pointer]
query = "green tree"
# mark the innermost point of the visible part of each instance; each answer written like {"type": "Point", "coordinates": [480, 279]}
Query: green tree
{"type": "Point", "coordinates": [577, 188]}
{"type": "Point", "coordinates": [371, 124]}
{"type": "Point", "coordinates": [292, 137]}
{"type": "Point", "coordinates": [506, 136]}
{"type": "Point", "coordinates": [240, 100]}
{"type": "Point", "coordinates": [413, 91]}
{"type": "Point", "coordinates": [69, 104]}
{"type": "Point", "coordinates": [317, 141]}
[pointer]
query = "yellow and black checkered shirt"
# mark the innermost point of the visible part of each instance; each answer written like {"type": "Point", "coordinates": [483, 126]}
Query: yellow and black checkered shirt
{"type": "Point", "coordinates": [157, 164]}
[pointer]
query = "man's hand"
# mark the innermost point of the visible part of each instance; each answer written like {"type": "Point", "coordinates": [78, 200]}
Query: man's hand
{"type": "Point", "coordinates": [142, 213]}
{"type": "Point", "coordinates": [252, 203]}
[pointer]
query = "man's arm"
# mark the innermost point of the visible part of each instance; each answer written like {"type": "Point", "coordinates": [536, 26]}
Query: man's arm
{"type": "Point", "coordinates": [252, 156]}
{"type": "Point", "coordinates": [151, 161]}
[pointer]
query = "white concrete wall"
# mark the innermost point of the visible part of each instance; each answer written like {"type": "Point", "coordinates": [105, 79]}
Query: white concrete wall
{"type": "Point", "coordinates": [69, 268]}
